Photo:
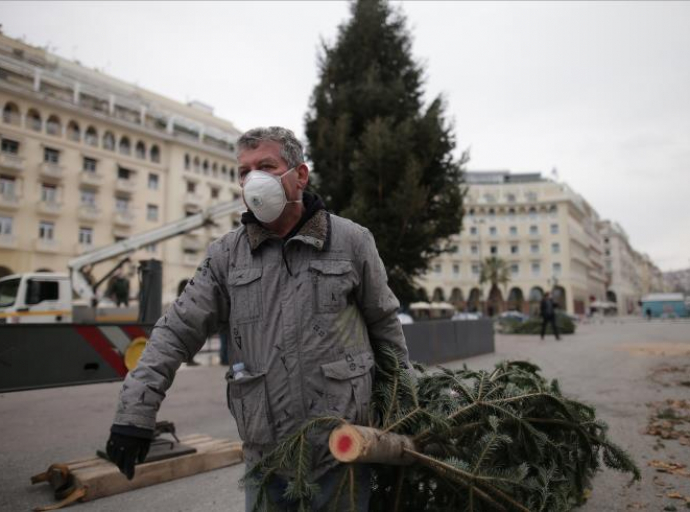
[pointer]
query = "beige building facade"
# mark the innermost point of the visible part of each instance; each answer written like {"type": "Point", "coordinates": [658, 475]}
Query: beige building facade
{"type": "Point", "coordinates": [546, 233]}
{"type": "Point", "coordinates": [87, 160]}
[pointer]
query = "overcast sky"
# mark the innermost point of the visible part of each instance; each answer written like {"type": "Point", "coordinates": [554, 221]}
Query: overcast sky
{"type": "Point", "coordinates": [599, 90]}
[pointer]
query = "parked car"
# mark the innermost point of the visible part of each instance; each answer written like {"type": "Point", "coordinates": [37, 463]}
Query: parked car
{"type": "Point", "coordinates": [513, 315]}
{"type": "Point", "coordinates": [466, 316]}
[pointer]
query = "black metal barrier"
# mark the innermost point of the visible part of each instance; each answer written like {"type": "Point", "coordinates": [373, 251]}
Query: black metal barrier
{"type": "Point", "coordinates": [440, 341]}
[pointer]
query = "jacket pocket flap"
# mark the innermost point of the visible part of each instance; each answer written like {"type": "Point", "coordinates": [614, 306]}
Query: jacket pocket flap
{"type": "Point", "coordinates": [349, 367]}
{"type": "Point", "coordinates": [244, 386]}
{"type": "Point", "coordinates": [244, 276]}
{"type": "Point", "coordinates": [331, 267]}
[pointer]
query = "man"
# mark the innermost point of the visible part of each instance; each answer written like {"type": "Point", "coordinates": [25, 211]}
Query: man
{"type": "Point", "coordinates": [303, 296]}
{"type": "Point", "coordinates": [548, 314]}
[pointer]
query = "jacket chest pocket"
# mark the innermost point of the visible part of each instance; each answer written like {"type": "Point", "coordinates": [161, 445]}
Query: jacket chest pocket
{"type": "Point", "coordinates": [245, 295]}
{"type": "Point", "coordinates": [248, 403]}
{"type": "Point", "coordinates": [332, 282]}
{"type": "Point", "coordinates": [348, 385]}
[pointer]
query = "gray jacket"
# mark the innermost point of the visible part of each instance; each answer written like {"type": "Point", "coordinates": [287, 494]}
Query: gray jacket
{"type": "Point", "coordinates": [302, 316]}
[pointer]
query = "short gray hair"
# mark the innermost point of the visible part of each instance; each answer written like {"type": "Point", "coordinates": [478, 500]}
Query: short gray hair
{"type": "Point", "coordinates": [291, 148]}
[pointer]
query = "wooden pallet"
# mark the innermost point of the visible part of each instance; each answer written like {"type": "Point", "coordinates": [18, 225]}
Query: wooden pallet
{"type": "Point", "coordinates": [93, 478]}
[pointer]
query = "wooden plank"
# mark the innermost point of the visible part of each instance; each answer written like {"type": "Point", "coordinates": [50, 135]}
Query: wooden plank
{"type": "Point", "coordinates": [101, 478]}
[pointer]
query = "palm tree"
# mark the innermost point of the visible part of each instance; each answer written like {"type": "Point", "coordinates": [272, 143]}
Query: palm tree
{"type": "Point", "coordinates": [495, 271]}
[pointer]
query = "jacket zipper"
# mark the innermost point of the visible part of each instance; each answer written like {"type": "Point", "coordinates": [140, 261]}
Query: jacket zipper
{"type": "Point", "coordinates": [299, 339]}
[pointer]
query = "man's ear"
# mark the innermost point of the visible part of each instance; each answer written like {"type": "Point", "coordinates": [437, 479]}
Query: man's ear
{"type": "Point", "coordinates": [302, 171]}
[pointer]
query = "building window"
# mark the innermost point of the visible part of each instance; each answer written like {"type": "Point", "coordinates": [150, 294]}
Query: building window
{"type": "Point", "coordinates": [492, 212]}
{"type": "Point", "coordinates": [514, 249]}
{"type": "Point", "coordinates": [456, 269]}
{"type": "Point", "coordinates": [87, 197]}
{"type": "Point", "coordinates": [155, 154]}
{"type": "Point", "coordinates": [606, 240]}
{"type": "Point", "coordinates": [511, 212]}
{"type": "Point", "coordinates": [553, 209]}
{"type": "Point", "coordinates": [554, 229]}
{"type": "Point", "coordinates": [187, 162]}
{"type": "Point", "coordinates": [122, 204]}
{"type": "Point", "coordinates": [513, 230]}
{"type": "Point", "coordinates": [232, 174]}
{"type": "Point", "coordinates": [73, 132]}
{"type": "Point", "coordinates": [11, 147]}
{"type": "Point", "coordinates": [532, 212]}
{"type": "Point", "coordinates": [531, 197]}
{"type": "Point", "coordinates": [555, 247]}
{"type": "Point", "coordinates": [51, 155]}
{"type": "Point", "coordinates": [608, 252]}
{"type": "Point", "coordinates": [191, 187]}
{"type": "Point", "coordinates": [123, 173]}
{"type": "Point", "coordinates": [10, 114]}
{"type": "Point", "coordinates": [494, 249]}
{"type": "Point", "coordinates": [514, 269]}
{"type": "Point", "coordinates": [124, 146]}
{"type": "Point", "coordinates": [536, 269]}
{"type": "Point", "coordinates": [86, 236]}
{"type": "Point", "coordinates": [89, 165]}
{"type": "Point", "coordinates": [437, 268]}
{"type": "Point", "coordinates": [151, 212]}
{"type": "Point", "coordinates": [46, 230]}
{"type": "Point", "coordinates": [473, 230]}
{"type": "Point", "coordinates": [454, 249]}
{"type": "Point", "coordinates": [215, 192]}
{"type": "Point", "coordinates": [91, 136]}
{"type": "Point", "coordinates": [493, 231]}
{"type": "Point", "coordinates": [510, 198]}
{"type": "Point", "coordinates": [533, 230]}
{"type": "Point", "coordinates": [151, 247]}
{"type": "Point", "coordinates": [48, 193]}
{"type": "Point", "coordinates": [109, 141]}
{"type": "Point", "coordinates": [5, 226]}
{"type": "Point", "coordinates": [489, 198]}
{"type": "Point", "coordinates": [140, 151]}
{"type": "Point", "coordinates": [153, 181]}
{"type": "Point", "coordinates": [556, 269]}
{"type": "Point", "coordinates": [33, 120]}
{"type": "Point", "coordinates": [205, 167]}
{"type": "Point", "coordinates": [475, 269]}
{"type": "Point", "coordinates": [7, 186]}
{"type": "Point", "coordinates": [53, 126]}
{"type": "Point", "coordinates": [475, 249]}
{"type": "Point", "coordinates": [534, 248]}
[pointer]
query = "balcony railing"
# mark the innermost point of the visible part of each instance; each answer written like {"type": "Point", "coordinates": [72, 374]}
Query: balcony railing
{"type": "Point", "coordinates": [50, 207]}
{"type": "Point", "coordinates": [51, 170]}
{"type": "Point", "coordinates": [89, 212]}
{"type": "Point", "coordinates": [11, 163]}
{"type": "Point", "coordinates": [8, 241]}
{"type": "Point", "coordinates": [9, 201]}
{"type": "Point", "coordinates": [124, 218]}
{"type": "Point", "coordinates": [125, 185]}
{"type": "Point", "coordinates": [90, 178]}
{"type": "Point", "coordinates": [43, 245]}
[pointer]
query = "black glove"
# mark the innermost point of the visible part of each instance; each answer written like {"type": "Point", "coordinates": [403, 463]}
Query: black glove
{"type": "Point", "coordinates": [125, 450]}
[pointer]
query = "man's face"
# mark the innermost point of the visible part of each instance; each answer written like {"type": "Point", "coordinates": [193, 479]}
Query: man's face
{"type": "Point", "coordinates": [266, 157]}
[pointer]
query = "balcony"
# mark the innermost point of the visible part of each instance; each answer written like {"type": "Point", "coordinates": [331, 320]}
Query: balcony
{"type": "Point", "coordinates": [191, 259]}
{"type": "Point", "coordinates": [193, 199]}
{"type": "Point", "coordinates": [11, 163]}
{"type": "Point", "coordinates": [125, 185]}
{"type": "Point", "coordinates": [192, 243]}
{"type": "Point", "coordinates": [42, 245]}
{"type": "Point", "coordinates": [50, 207]}
{"type": "Point", "coordinates": [51, 170]}
{"type": "Point", "coordinates": [90, 178]}
{"type": "Point", "coordinates": [123, 218]}
{"type": "Point", "coordinates": [9, 201]}
{"type": "Point", "coordinates": [8, 241]}
{"type": "Point", "coordinates": [89, 213]}
{"type": "Point", "coordinates": [83, 248]}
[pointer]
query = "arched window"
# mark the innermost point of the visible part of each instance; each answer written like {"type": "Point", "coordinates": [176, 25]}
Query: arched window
{"type": "Point", "coordinates": [33, 120]}
{"type": "Point", "coordinates": [187, 162]}
{"type": "Point", "coordinates": [91, 136]}
{"type": "Point", "coordinates": [197, 164]}
{"type": "Point", "coordinates": [53, 126]}
{"type": "Point", "coordinates": [124, 146]}
{"type": "Point", "coordinates": [73, 132]}
{"type": "Point", "coordinates": [215, 169]}
{"type": "Point", "coordinates": [224, 172]}
{"type": "Point", "coordinates": [155, 154]}
{"type": "Point", "coordinates": [438, 295]}
{"type": "Point", "coordinates": [205, 167]}
{"type": "Point", "coordinates": [140, 150]}
{"type": "Point", "coordinates": [10, 113]}
{"type": "Point", "coordinates": [232, 174]}
{"type": "Point", "coordinates": [109, 141]}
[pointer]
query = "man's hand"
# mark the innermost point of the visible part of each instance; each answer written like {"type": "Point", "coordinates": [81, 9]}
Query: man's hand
{"type": "Point", "coordinates": [125, 451]}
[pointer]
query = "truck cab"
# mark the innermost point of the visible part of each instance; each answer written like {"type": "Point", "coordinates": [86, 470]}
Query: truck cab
{"type": "Point", "coordinates": [39, 297]}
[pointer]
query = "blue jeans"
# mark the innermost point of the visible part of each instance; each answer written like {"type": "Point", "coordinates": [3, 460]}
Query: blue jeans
{"type": "Point", "coordinates": [328, 487]}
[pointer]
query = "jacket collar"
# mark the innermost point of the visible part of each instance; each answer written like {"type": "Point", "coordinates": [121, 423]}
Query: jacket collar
{"type": "Point", "coordinates": [314, 232]}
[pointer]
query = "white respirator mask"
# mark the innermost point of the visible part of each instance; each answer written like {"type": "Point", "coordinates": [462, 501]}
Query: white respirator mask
{"type": "Point", "coordinates": [264, 194]}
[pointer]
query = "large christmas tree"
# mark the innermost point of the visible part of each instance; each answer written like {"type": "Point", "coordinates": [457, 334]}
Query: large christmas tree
{"type": "Point", "coordinates": [381, 156]}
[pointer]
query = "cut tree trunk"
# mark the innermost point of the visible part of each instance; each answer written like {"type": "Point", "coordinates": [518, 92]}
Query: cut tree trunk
{"type": "Point", "coordinates": [354, 443]}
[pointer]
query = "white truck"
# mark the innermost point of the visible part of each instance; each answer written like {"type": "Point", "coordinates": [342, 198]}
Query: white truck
{"type": "Point", "coordinates": [43, 297]}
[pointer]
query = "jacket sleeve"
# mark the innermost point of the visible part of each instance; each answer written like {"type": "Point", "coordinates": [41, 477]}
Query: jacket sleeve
{"type": "Point", "coordinates": [378, 304]}
{"type": "Point", "coordinates": [199, 311]}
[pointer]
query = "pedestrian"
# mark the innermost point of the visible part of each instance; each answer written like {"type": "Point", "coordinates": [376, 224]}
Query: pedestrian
{"type": "Point", "coordinates": [648, 312]}
{"type": "Point", "coordinates": [303, 295]}
{"type": "Point", "coordinates": [547, 309]}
